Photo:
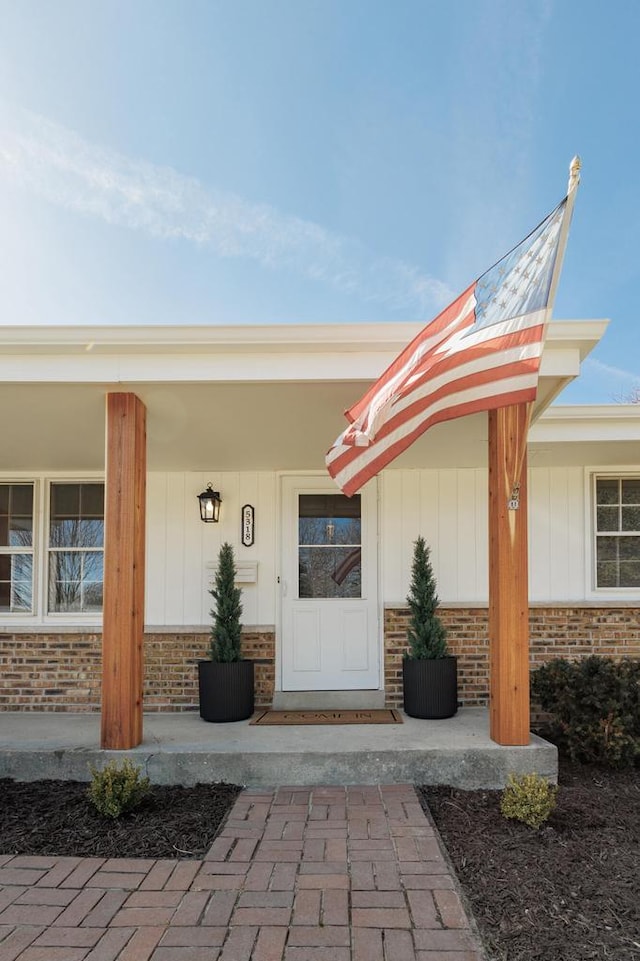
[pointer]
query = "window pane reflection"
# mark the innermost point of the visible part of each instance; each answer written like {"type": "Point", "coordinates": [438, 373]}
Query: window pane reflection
{"type": "Point", "coordinates": [617, 527]}
{"type": "Point", "coordinates": [16, 580]}
{"type": "Point", "coordinates": [618, 561]}
{"type": "Point", "coordinates": [77, 515]}
{"type": "Point", "coordinates": [16, 548]}
{"type": "Point", "coordinates": [76, 538]}
{"type": "Point", "coordinates": [16, 515]}
{"type": "Point", "coordinates": [330, 572]}
{"type": "Point", "coordinates": [75, 581]}
{"type": "Point", "coordinates": [329, 551]}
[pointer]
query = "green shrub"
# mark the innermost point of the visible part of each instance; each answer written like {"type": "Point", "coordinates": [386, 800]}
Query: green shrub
{"type": "Point", "coordinates": [426, 633]}
{"type": "Point", "coordinates": [529, 798]}
{"type": "Point", "coordinates": [116, 790]}
{"type": "Point", "coordinates": [595, 708]}
{"type": "Point", "coordinates": [226, 630]}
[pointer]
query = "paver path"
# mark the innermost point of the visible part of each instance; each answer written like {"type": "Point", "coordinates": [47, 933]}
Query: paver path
{"type": "Point", "coordinates": [299, 874]}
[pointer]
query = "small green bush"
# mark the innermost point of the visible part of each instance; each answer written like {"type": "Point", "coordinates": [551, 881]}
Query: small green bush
{"type": "Point", "coordinates": [115, 790]}
{"type": "Point", "coordinates": [226, 630]}
{"type": "Point", "coordinates": [426, 633]}
{"type": "Point", "coordinates": [595, 708]}
{"type": "Point", "coordinates": [529, 798]}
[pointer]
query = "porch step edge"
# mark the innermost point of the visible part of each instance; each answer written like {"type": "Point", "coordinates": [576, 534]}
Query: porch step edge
{"type": "Point", "coordinates": [334, 700]}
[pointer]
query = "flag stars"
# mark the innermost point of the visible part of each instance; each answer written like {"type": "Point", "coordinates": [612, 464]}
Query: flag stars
{"type": "Point", "coordinates": [505, 297]}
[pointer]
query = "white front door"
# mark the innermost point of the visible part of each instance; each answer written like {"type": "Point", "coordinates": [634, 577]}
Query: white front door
{"type": "Point", "coordinates": [329, 581]}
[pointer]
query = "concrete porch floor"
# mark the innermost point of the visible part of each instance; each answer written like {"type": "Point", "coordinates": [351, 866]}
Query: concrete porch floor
{"type": "Point", "coordinates": [180, 748]}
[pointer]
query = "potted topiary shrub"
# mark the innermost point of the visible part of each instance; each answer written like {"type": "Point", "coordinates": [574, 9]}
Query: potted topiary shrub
{"type": "Point", "coordinates": [225, 681]}
{"type": "Point", "coordinates": [429, 672]}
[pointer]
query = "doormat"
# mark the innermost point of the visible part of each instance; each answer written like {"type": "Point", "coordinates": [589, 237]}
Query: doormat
{"type": "Point", "coordinates": [375, 716]}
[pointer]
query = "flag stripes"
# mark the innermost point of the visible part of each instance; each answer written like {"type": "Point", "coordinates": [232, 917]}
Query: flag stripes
{"type": "Point", "coordinates": [482, 352]}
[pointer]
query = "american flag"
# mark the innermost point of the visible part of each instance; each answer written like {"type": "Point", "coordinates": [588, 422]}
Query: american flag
{"type": "Point", "coordinates": [481, 352]}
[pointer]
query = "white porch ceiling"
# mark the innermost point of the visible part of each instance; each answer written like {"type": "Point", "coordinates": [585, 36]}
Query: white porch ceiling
{"type": "Point", "coordinates": [203, 427]}
{"type": "Point", "coordinates": [246, 398]}
{"type": "Point", "coordinates": [200, 427]}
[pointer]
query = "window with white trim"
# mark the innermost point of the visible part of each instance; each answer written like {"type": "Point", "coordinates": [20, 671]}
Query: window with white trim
{"type": "Point", "coordinates": [75, 547]}
{"type": "Point", "coordinates": [617, 532]}
{"type": "Point", "coordinates": [16, 549]}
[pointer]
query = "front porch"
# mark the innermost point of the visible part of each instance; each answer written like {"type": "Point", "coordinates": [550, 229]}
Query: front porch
{"type": "Point", "coordinates": [158, 556]}
{"type": "Point", "coordinates": [183, 749]}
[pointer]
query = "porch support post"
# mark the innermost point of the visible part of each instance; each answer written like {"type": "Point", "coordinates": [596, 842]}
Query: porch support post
{"type": "Point", "coordinates": [508, 576]}
{"type": "Point", "coordinates": [124, 553]}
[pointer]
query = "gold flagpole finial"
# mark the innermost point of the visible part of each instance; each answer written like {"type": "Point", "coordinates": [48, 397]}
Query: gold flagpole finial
{"type": "Point", "coordinates": [574, 173]}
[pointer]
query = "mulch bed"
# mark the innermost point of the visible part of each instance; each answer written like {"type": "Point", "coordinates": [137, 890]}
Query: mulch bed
{"type": "Point", "coordinates": [567, 892]}
{"type": "Point", "coordinates": [56, 818]}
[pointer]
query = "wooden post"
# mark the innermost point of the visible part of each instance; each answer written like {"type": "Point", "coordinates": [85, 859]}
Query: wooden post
{"type": "Point", "coordinates": [508, 576]}
{"type": "Point", "coordinates": [124, 552]}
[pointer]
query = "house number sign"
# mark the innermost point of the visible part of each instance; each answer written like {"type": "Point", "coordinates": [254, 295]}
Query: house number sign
{"type": "Point", "coordinates": [248, 516]}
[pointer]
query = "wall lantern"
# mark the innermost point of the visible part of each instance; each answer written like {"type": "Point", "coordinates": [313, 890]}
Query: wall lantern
{"type": "Point", "coordinates": [210, 501]}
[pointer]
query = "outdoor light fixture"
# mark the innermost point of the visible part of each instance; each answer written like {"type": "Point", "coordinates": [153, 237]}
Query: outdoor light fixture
{"type": "Point", "coordinates": [210, 501]}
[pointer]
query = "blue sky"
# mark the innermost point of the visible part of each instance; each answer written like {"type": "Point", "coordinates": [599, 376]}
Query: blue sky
{"type": "Point", "coordinates": [294, 161]}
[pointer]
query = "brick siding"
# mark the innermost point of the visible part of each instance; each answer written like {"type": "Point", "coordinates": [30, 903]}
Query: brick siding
{"type": "Point", "coordinates": [571, 632]}
{"type": "Point", "coordinates": [61, 672]}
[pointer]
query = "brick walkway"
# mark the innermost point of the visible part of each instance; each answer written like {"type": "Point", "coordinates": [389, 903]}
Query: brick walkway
{"type": "Point", "coordinates": [320, 874]}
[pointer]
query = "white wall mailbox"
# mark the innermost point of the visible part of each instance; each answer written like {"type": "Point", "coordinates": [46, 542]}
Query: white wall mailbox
{"type": "Point", "coordinates": [246, 572]}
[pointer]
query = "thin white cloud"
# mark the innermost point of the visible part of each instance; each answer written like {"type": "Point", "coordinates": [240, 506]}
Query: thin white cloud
{"type": "Point", "coordinates": [57, 164]}
{"type": "Point", "coordinates": [617, 373]}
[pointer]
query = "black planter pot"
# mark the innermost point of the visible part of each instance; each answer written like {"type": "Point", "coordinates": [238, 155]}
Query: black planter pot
{"type": "Point", "coordinates": [226, 690]}
{"type": "Point", "coordinates": [430, 687]}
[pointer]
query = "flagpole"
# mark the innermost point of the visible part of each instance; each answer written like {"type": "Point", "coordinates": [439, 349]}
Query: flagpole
{"type": "Point", "coordinates": [509, 707]}
{"type": "Point", "coordinates": [572, 190]}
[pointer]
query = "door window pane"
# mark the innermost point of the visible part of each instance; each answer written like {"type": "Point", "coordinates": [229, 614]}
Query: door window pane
{"type": "Point", "coordinates": [330, 572]}
{"type": "Point", "coordinates": [329, 546]}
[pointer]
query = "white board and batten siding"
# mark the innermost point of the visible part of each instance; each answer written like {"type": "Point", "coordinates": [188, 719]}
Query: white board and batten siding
{"type": "Point", "coordinates": [450, 509]}
{"type": "Point", "coordinates": [559, 532]}
{"type": "Point", "coordinates": [182, 551]}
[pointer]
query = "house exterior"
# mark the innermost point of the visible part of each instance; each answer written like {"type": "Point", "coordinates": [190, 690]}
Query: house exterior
{"type": "Point", "coordinates": [252, 411]}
